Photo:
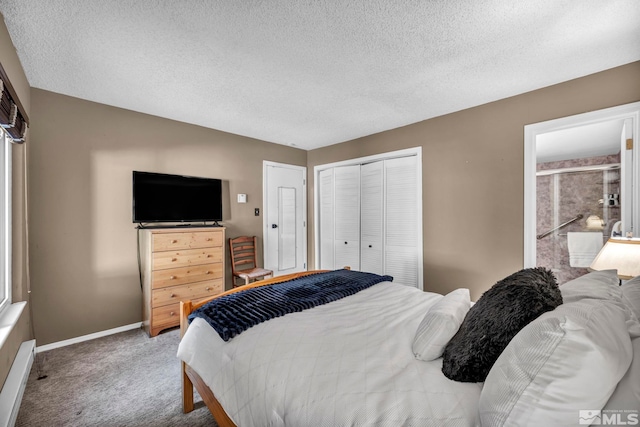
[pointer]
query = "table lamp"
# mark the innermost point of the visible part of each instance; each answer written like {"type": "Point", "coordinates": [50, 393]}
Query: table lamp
{"type": "Point", "coordinates": [619, 254]}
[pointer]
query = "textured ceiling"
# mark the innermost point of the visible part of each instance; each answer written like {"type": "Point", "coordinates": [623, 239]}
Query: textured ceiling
{"type": "Point", "coordinates": [314, 73]}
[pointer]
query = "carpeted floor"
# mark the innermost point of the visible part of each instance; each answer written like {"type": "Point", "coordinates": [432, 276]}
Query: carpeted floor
{"type": "Point", "coordinates": [126, 379]}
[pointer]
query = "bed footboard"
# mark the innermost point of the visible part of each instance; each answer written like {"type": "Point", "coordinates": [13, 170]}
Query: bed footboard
{"type": "Point", "coordinates": [190, 378]}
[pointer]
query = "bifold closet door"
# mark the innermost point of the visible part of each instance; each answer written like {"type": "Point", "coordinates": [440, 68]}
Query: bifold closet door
{"type": "Point", "coordinates": [401, 220]}
{"type": "Point", "coordinates": [347, 216]}
{"type": "Point", "coordinates": [371, 217]}
{"type": "Point", "coordinates": [327, 222]}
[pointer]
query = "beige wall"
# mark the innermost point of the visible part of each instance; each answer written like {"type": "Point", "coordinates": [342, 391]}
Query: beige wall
{"type": "Point", "coordinates": [83, 252]}
{"type": "Point", "coordinates": [84, 269]}
{"type": "Point", "coordinates": [473, 175]}
{"type": "Point", "coordinates": [83, 244]}
{"type": "Point", "coordinates": [11, 64]}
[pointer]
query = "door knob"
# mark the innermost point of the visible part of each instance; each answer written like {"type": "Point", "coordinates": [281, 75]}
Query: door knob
{"type": "Point", "coordinates": [274, 225]}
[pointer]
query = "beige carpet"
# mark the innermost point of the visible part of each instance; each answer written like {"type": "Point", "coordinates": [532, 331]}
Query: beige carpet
{"type": "Point", "coordinates": [126, 379]}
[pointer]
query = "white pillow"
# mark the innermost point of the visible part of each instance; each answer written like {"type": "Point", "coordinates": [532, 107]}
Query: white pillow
{"type": "Point", "coordinates": [631, 295]}
{"type": "Point", "coordinates": [567, 360]}
{"type": "Point", "coordinates": [597, 284]}
{"type": "Point", "coordinates": [605, 285]}
{"type": "Point", "coordinates": [440, 324]}
{"type": "Point", "coordinates": [627, 394]}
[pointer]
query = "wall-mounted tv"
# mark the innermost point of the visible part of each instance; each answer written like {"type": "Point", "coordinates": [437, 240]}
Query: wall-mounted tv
{"type": "Point", "coordinates": [159, 197]}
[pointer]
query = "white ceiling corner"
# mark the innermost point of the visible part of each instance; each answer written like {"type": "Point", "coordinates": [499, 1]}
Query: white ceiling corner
{"type": "Point", "coordinates": [312, 74]}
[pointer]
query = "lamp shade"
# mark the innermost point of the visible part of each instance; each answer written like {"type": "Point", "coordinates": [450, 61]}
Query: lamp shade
{"type": "Point", "coordinates": [619, 254]}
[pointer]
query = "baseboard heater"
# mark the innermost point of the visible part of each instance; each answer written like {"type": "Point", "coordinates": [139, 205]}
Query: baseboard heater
{"type": "Point", "coordinates": [14, 385]}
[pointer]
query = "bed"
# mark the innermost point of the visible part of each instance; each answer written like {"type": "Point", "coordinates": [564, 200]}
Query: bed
{"type": "Point", "coordinates": [353, 362]}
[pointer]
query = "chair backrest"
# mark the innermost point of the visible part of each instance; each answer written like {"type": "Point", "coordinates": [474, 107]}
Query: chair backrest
{"type": "Point", "coordinates": [243, 253]}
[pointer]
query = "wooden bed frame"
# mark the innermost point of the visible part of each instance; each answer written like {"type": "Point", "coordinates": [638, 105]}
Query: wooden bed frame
{"type": "Point", "coordinates": [190, 378]}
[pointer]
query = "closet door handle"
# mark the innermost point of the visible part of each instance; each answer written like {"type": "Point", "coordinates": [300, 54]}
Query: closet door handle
{"type": "Point", "coordinates": [345, 243]}
{"type": "Point", "coordinates": [370, 246]}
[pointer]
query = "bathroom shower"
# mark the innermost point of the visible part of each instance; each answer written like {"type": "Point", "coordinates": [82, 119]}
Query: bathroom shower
{"type": "Point", "coordinates": [578, 208]}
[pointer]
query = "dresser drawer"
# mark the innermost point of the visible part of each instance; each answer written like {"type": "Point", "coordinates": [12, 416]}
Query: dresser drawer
{"type": "Point", "coordinates": [192, 292]}
{"type": "Point", "coordinates": [183, 275]}
{"type": "Point", "coordinates": [186, 257]}
{"type": "Point", "coordinates": [178, 264]}
{"type": "Point", "coordinates": [166, 316]}
{"type": "Point", "coordinates": [186, 240]}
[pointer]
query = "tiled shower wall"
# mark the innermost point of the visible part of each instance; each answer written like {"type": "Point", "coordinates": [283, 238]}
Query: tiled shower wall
{"type": "Point", "coordinates": [561, 197]}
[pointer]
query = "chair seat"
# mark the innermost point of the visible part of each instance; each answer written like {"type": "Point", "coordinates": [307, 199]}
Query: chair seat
{"type": "Point", "coordinates": [254, 273]}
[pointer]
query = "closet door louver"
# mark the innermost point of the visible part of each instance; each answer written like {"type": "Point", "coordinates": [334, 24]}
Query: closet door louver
{"type": "Point", "coordinates": [347, 216]}
{"type": "Point", "coordinates": [371, 215]}
{"type": "Point", "coordinates": [401, 237]}
{"type": "Point", "coordinates": [369, 218]}
{"type": "Point", "coordinates": [327, 223]}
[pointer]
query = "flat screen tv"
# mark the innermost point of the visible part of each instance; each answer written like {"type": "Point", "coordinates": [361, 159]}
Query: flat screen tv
{"type": "Point", "coordinates": [159, 197]}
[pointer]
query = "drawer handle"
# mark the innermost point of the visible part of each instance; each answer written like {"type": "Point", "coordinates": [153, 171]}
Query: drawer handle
{"type": "Point", "coordinates": [172, 277]}
{"type": "Point", "coordinates": [172, 313]}
{"type": "Point", "coordinates": [174, 241]}
{"type": "Point", "coordinates": [209, 239]}
{"type": "Point", "coordinates": [172, 296]}
{"type": "Point", "coordinates": [207, 288]}
{"type": "Point", "coordinates": [174, 259]}
{"type": "Point", "coordinates": [209, 256]}
{"type": "Point", "coordinates": [209, 272]}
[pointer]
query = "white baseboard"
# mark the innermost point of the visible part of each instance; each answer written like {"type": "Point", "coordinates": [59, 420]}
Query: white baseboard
{"type": "Point", "coordinates": [89, 337]}
{"type": "Point", "coordinates": [14, 385]}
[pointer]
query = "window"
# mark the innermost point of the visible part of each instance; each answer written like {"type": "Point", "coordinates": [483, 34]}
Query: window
{"type": "Point", "coordinates": [5, 220]}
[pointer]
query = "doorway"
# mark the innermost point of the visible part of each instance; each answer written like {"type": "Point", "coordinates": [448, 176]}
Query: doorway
{"type": "Point", "coordinates": [285, 213]}
{"type": "Point", "coordinates": [580, 176]}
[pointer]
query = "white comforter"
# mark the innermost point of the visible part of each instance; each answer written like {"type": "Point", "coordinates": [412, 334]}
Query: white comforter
{"type": "Point", "coordinates": [346, 363]}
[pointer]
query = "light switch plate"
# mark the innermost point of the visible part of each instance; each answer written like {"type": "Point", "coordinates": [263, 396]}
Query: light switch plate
{"type": "Point", "coordinates": [242, 198]}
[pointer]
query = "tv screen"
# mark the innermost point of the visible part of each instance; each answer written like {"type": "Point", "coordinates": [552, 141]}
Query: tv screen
{"type": "Point", "coordinates": [161, 197]}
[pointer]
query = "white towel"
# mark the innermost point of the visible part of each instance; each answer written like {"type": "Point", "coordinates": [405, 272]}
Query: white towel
{"type": "Point", "coordinates": [583, 247]}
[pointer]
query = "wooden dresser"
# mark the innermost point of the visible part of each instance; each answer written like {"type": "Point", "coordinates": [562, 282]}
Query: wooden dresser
{"type": "Point", "coordinates": [178, 264]}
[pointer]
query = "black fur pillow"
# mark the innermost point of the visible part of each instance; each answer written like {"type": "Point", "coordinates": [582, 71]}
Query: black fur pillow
{"type": "Point", "coordinates": [497, 317]}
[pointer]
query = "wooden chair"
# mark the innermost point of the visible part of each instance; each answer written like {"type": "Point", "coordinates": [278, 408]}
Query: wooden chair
{"type": "Point", "coordinates": [243, 260]}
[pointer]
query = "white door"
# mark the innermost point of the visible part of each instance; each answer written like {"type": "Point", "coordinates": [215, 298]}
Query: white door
{"type": "Point", "coordinates": [347, 216]}
{"type": "Point", "coordinates": [626, 180]}
{"type": "Point", "coordinates": [402, 258]}
{"type": "Point", "coordinates": [326, 219]}
{"type": "Point", "coordinates": [285, 235]}
{"type": "Point", "coordinates": [371, 217]}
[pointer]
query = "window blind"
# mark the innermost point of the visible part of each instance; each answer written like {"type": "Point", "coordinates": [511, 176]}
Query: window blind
{"type": "Point", "coordinates": [12, 115]}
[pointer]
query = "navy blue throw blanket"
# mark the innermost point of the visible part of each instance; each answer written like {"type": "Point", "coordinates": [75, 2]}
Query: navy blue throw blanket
{"type": "Point", "coordinates": [234, 313]}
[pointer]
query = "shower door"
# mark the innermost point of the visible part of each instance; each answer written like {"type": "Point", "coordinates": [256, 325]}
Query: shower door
{"type": "Point", "coordinates": [575, 196]}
